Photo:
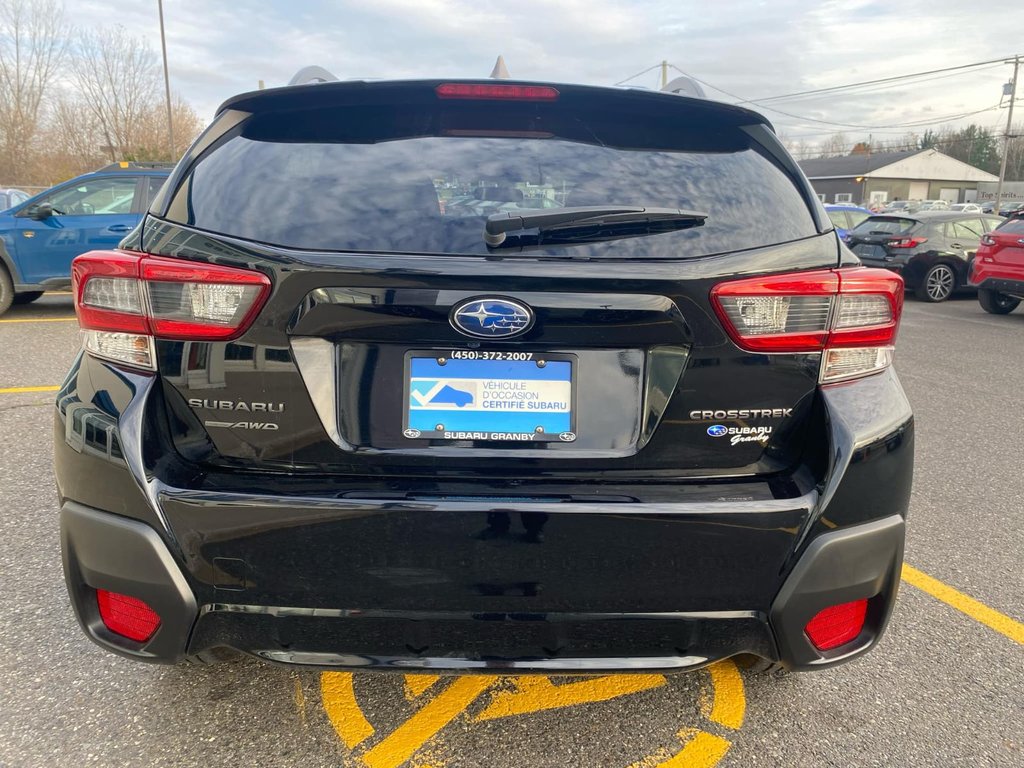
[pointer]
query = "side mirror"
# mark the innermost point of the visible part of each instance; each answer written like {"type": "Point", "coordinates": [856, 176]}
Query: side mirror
{"type": "Point", "coordinates": [42, 211]}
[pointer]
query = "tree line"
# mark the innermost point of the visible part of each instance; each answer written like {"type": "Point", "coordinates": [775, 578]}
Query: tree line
{"type": "Point", "coordinates": [72, 100]}
{"type": "Point", "coordinates": [975, 145]}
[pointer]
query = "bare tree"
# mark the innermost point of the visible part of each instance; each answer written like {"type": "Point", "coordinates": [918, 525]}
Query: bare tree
{"type": "Point", "coordinates": [834, 145]}
{"type": "Point", "coordinates": [1014, 153]}
{"type": "Point", "coordinates": [151, 141]}
{"type": "Point", "coordinates": [118, 80]}
{"type": "Point", "coordinates": [31, 49]}
{"type": "Point", "coordinates": [73, 140]}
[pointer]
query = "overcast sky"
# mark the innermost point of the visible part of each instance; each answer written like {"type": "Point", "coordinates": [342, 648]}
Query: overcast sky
{"type": "Point", "coordinates": [750, 49]}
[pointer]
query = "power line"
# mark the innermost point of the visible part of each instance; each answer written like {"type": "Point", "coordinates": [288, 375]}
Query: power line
{"type": "Point", "coordinates": [911, 124]}
{"type": "Point", "coordinates": [642, 72]}
{"type": "Point", "coordinates": [869, 91]}
{"type": "Point", "coordinates": [804, 118]}
{"type": "Point", "coordinates": [994, 129]}
{"type": "Point", "coordinates": [873, 82]}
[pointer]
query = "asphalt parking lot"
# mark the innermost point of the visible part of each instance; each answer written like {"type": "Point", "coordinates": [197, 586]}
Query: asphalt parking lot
{"type": "Point", "coordinates": [944, 687]}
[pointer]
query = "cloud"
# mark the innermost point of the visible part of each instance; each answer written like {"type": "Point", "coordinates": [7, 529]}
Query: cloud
{"type": "Point", "coordinates": [752, 49]}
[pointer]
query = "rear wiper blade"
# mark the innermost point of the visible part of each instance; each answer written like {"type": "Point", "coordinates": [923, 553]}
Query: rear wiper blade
{"type": "Point", "coordinates": [499, 224]}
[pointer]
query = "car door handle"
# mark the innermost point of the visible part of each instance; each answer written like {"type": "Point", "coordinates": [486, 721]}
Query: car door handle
{"type": "Point", "coordinates": [957, 246]}
{"type": "Point", "coordinates": [119, 228]}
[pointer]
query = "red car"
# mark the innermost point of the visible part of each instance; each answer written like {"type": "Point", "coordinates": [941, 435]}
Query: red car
{"type": "Point", "coordinates": [998, 267]}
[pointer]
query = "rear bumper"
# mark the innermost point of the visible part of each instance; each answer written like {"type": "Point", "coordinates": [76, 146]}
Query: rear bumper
{"type": "Point", "coordinates": [350, 577]}
{"type": "Point", "coordinates": [891, 264]}
{"type": "Point", "coordinates": [1003, 277]}
{"type": "Point", "coordinates": [1008, 286]}
{"type": "Point", "coordinates": [107, 551]}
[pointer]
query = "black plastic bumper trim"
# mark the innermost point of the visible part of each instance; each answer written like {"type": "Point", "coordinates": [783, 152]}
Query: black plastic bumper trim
{"type": "Point", "coordinates": [106, 551]}
{"type": "Point", "coordinates": [1002, 285]}
{"type": "Point", "coordinates": [859, 562]}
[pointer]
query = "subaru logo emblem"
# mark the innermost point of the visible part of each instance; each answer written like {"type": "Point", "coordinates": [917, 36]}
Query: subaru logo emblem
{"type": "Point", "coordinates": [717, 430]}
{"type": "Point", "coordinates": [489, 318]}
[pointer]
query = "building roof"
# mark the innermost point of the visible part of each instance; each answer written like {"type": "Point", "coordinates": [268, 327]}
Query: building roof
{"type": "Point", "coordinates": [852, 165]}
{"type": "Point", "coordinates": [918, 164]}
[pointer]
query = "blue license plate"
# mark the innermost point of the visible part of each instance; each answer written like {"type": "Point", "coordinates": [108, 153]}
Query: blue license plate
{"type": "Point", "coordinates": [497, 395]}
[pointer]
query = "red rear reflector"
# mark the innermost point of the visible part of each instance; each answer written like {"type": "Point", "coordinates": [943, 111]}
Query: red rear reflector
{"type": "Point", "coordinates": [127, 616]}
{"type": "Point", "coordinates": [502, 92]}
{"type": "Point", "coordinates": [837, 625]}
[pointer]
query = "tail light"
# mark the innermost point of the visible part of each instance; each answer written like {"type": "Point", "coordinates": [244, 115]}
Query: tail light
{"type": "Point", "coordinates": [127, 616]}
{"type": "Point", "coordinates": [837, 625]}
{"type": "Point", "coordinates": [906, 242]}
{"type": "Point", "coordinates": [496, 92]}
{"type": "Point", "coordinates": [126, 300]}
{"type": "Point", "coordinates": [851, 316]}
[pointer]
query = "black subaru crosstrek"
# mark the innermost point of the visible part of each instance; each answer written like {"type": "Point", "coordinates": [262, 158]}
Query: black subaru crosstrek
{"type": "Point", "coordinates": [484, 376]}
{"type": "Point", "coordinates": [932, 250]}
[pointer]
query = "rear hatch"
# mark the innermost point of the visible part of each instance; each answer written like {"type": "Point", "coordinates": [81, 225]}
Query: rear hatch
{"type": "Point", "coordinates": [879, 240]}
{"type": "Point", "coordinates": [1006, 247]}
{"type": "Point", "coordinates": [398, 342]}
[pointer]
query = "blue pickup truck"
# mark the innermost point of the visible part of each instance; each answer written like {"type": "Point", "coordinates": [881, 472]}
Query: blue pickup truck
{"type": "Point", "coordinates": [40, 236]}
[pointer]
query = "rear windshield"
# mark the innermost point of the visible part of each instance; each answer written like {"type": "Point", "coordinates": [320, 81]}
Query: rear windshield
{"type": "Point", "coordinates": [885, 225]}
{"type": "Point", "coordinates": [424, 180]}
{"type": "Point", "coordinates": [1014, 226]}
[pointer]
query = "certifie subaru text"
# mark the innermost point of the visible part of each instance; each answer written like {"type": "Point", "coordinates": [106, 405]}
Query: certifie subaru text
{"type": "Point", "coordinates": [484, 376]}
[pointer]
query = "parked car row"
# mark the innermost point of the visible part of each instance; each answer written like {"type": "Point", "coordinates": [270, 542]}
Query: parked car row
{"type": "Point", "coordinates": [914, 206]}
{"type": "Point", "coordinates": [1008, 207]}
{"type": "Point", "coordinates": [939, 253]}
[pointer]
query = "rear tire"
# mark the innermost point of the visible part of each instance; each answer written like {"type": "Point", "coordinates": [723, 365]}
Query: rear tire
{"type": "Point", "coordinates": [26, 298]}
{"type": "Point", "coordinates": [938, 283]}
{"type": "Point", "coordinates": [996, 303]}
{"type": "Point", "coordinates": [6, 290]}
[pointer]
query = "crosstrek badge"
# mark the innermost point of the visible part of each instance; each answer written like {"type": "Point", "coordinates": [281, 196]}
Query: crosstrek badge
{"type": "Point", "coordinates": [742, 413]}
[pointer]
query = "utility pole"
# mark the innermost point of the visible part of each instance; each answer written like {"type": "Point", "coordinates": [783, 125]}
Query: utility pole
{"type": "Point", "coordinates": [1006, 136]}
{"type": "Point", "coordinates": [664, 73]}
{"type": "Point", "coordinates": [167, 80]}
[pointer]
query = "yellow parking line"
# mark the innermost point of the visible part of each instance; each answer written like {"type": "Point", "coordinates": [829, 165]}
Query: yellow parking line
{"type": "Point", "coordinates": [339, 700]}
{"type": "Point", "coordinates": [18, 390]}
{"type": "Point", "coordinates": [980, 612]}
{"type": "Point", "coordinates": [701, 750]}
{"type": "Point", "coordinates": [730, 704]}
{"type": "Point", "coordinates": [405, 740]}
{"type": "Point", "coordinates": [40, 320]}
